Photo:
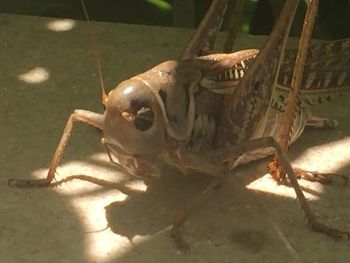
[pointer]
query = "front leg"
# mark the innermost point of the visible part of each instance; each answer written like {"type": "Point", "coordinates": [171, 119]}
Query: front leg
{"type": "Point", "coordinates": [91, 118]}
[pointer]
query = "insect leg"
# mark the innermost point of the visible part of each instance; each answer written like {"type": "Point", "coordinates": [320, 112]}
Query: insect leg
{"type": "Point", "coordinates": [203, 38]}
{"type": "Point", "coordinates": [226, 154]}
{"type": "Point", "coordinates": [176, 233]}
{"type": "Point", "coordinates": [277, 173]}
{"type": "Point", "coordinates": [298, 74]}
{"type": "Point", "coordinates": [233, 25]}
{"type": "Point", "coordinates": [91, 118]}
{"type": "Point", "coordinates": [318, 122]}
{"type": "Point", "coordinates": [232, 152]}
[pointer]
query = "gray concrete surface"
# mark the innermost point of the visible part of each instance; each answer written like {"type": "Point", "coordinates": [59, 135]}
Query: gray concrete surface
{"type": "Point", "coordinates": [128, 219]}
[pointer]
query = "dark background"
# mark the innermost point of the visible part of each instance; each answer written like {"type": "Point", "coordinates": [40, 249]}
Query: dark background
{"type": "Point", "coordinates": [333, 20]}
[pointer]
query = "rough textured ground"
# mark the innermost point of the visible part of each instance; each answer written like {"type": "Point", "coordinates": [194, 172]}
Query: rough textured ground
{"type": "Point", "coordinates": [81, 221]}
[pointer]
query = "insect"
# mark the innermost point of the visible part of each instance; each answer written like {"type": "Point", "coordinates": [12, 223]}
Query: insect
{"type": "Point", "coordinates": [201, 113]}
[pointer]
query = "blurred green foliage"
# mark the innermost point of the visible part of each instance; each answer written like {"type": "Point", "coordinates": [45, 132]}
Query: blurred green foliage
{"type": "Point", "coordinates": [160, 4]}
{"type": "Point", "coordinates": [258, 16]}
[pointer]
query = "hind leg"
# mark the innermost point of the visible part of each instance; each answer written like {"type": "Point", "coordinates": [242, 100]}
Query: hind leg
{"type": "Point", "coordinates": [314, 176]}
{"type": "Point", "coordinates": [319, 122]}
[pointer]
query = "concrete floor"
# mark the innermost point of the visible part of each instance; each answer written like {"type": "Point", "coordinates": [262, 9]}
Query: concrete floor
{"type": "Point", "coordinates": [46, 74]}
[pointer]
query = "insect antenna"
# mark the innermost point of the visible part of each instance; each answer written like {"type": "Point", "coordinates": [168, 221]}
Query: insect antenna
{"type": "Point", "coordinates": [92, 33]}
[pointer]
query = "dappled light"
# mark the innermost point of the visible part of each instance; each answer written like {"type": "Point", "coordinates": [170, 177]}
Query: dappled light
{"type": "Point", "coordinates": [35, 76]}
{"type": "Point", "coordinates": [61, 25]}
{"type": "Point", "coordinates": [268, 185]}
{"type": "Point", "coordinates": [329, 157]}
{"type": "Point", "coordinates": [101, 158]}
{"type": "Point", "coordinates": [89, 201]}
{"type": "Point", "coordinates": [332, 156]}
{"type": "Point", "coordinates": [104, 245]}
{"type": "Point", "coordinates": [100, 240]}
{"type": "Point", "coordinates": [94, 212]}
{"type": "Point", "coordinates": [137, 185]}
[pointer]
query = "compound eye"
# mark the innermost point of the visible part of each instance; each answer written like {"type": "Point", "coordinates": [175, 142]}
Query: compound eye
{"type": "Point", "coordinates": [144, 119]}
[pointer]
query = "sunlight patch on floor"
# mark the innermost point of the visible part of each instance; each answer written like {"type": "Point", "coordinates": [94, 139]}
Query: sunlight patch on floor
{"type": "Point", "coordinates": [101, 242]}
{"type": "Point", "coordinates": [35, 75]}
{"type": "Point", "coordinates": [102, 158]}
{"type": "Point", "coordinates": [268, 185]}
{"type": "Point", "coordinates": [101, 246]}
{"type": "Point", "coordinates": [61, 25]}
{"type": "Point", "coordinates": [329, 157]}
{"type": "Point", "coordinates": [137, 185]}
{"type": "Point", "coordinates": [89, 201]}
{"type": "Point", "coordinates": [138, 240]}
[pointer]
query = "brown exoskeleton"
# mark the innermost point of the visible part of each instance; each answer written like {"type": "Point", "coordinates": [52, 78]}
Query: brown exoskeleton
{"type": "Point", "coordinates": [200, 113]}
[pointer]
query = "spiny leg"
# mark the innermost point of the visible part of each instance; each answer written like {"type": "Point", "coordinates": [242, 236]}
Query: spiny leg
{"type": "Point", "coordinates": [310, 218]}
{"type": "Point", "coordinates": [250, 101]}
{"type": "Point", "coordinates": [312, 222]}
{"type": "Point", "coordinates": [321, 123]}
{"type": "Point", "coordinates": [286, 126]}
{"type": "Point", "coordinates": [275, 170]}
{"type": "Point", "coordinates": [323, 178]}
{"type": "Point", "coordinates": [175, 231]}
{"type": "Point", "coordinates": [314, 176]}
{"type": "Point", "coordinates": [279, 175]}
{"type": "Point", "coordinates": [233, 152]}
{"type": "Point", "coordinates": [255, 92]}
{"type": "Point", "coordinates": [91, 118]}
{"type": "Point", "coordinates": [233, 25]}
{"type": "Point", "coordinates": [203, 38]}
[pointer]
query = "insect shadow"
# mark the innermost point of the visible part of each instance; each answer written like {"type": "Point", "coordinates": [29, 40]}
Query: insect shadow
{"type": "Point", "coordinates": [146, 213]}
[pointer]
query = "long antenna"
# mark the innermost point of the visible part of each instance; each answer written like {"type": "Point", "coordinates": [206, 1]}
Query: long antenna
{"type": "Point", "coordinates": [92, 34]}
